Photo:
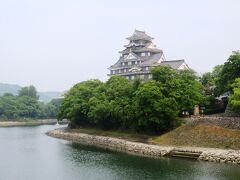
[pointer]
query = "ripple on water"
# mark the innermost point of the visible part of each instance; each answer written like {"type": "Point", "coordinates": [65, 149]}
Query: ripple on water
{"type": "Point", "coordinates": [26, 153]}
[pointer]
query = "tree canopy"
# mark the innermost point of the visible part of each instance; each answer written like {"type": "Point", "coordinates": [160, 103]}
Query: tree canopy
{"type": "Point", "coordinates": [25, 105]}
{"type": "Point", "coordinates": [229, 72]}
{"type": "Point", "coordinates": [29, 91]}
{"type": "Point", "coordinates": [150, 106]}
{"type": "Point", "coordinates": [235, 97]}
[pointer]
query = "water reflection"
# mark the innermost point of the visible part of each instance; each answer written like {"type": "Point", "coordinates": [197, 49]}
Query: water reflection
{"type": "Point", "coordinates": [26, 153]}
{"type": "Point", "coordinates": [123, 166]}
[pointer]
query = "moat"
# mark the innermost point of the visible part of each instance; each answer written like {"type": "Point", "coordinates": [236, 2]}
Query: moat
{"type": "Point", "coordinates": [26, 153]}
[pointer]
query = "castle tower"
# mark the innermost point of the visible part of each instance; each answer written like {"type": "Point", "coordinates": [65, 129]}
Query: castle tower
{"type": "Point", "coordinates": [139, 56]}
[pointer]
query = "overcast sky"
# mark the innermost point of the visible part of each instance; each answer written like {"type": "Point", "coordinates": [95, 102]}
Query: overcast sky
{"type": "Point", "coordinates": [54, 44]}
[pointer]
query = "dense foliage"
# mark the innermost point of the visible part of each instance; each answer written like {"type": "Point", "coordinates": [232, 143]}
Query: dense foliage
{"type": "Point", "coordinates": [150, 106]}
{"type": "Point", "coordinates": [235, 97]}
{"type": "Point", "coordinates": [25, 105]}
{"type": "Point", "coordinates": [229, 72]}
{"type": "Point", "coordinates": [218, 84]}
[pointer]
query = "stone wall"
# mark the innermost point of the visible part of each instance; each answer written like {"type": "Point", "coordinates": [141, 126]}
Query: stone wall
{"type": "Point", "coordinates": [226, 122]}
{"type": "Point", "coordinates": [156, 151]}
{"type": "Point", "coordinates": [222, 156]}
{"type": "Point", "coordinates": [113, 143]}
{"type": "Point", "coordinates": [230, 112]}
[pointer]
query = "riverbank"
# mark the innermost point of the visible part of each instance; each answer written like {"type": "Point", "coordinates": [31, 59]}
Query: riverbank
{"type": "Point", "coordinates": [30, 122]}
{"type": "Point", "coordinates": [209, 131]}
{"type": "Point", "coordinates": [144, 149]}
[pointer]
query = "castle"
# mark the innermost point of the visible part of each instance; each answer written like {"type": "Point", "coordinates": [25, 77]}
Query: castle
{"type": "Point", "coordinates": [140, 56]}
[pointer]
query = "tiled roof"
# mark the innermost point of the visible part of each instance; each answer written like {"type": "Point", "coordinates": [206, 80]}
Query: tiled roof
{"type": "Point", "coordinates": [148, 60]}
{"type": "Point", "coordinates": [152, 60]}
{"type": "Point", "coordinates": [141, 49]}
{"type": "Point", "coordinates": [175, 64]}
{"type": "Point", "coordinates": [140, 35]}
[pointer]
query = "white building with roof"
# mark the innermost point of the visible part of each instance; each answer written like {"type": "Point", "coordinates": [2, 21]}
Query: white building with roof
{"type": "Point", "coordinates": [140, 56]}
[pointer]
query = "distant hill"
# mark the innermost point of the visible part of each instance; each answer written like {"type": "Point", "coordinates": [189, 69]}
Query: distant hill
{"type": "Point", "coordinates": [13, 89]}
{"type": "Point", "coordinates": [9, 88]}
{"type": "Point", "coordinates": [48, 96]}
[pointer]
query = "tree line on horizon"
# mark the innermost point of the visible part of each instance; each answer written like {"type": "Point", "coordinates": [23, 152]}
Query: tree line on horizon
{"type": "Point", "coordinates": [26, 105]}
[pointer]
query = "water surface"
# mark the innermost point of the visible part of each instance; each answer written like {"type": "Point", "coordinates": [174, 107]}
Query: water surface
{"type": "Point", "coordinates": [26, 153]}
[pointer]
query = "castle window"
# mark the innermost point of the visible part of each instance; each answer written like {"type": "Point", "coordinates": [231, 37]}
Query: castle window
{"type": "Point", "coordinates": [146, 77]}
{"type": "Point", "coordinates": [133, 62]}
{"type": "Point", "coordinates": [143, 54]}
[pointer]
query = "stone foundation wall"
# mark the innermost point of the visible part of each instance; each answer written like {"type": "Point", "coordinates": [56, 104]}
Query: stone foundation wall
{"type": "Point", "coordinates": [226, 122]}
{"type": "Point", "coordinates": [113, 143]}
{"type": "Point", "coordinates": [230, 112]}
{"type": "Point", "coordinates": [222, 156]}
{"type": "Point", "coordinates": [206, 154]}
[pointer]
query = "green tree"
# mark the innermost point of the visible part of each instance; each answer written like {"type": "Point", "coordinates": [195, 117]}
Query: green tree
{"type": "Point", "coordinates": [208, 83]}
{"type": "Point", "coordinates": [156, 113]}
{"type": "Point", "coordinates": [230, 71]}
{"type": "Point", "coordinates": [28, 107]}
{"type": "Point", "coordinates": [216, 72]}
{"type": "Point", "coordinates": [182, 85]}
{"type": "Point", "coordinates": [75, 105]}
{"type": "Point", "coordinates": [189, 90]}
{"type": "Point", "coordinates": [29, 91]}
{"type": "Point", "coordinates": [8, 107]}
{"type": "Point", "coordinates": [150, 106]}
{"type": "Point", "coordinates": [115, 100]}
{"type": "Point", "coordinates": [25, 105]}
{"type": "Point", "coordinates": [164, 74]}
{"type": "Point", "coordinates": [235, 97]}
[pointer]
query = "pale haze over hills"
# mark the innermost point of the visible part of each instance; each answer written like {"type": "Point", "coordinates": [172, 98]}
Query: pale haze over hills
{"type": "Point", "coordinates": [55, 44]}
{"type": "Point", "coordinates": [14, 89]}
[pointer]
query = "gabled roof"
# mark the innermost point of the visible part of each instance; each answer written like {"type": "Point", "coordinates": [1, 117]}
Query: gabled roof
{"type": "Point", "coordinates": [133, 44]}
{"type": "Point", "coordinates": [125, 59]}
{"type": "Point", "coordinates": [141, 49]}
{"type": "Point", "coordinates": [117, 64]}
{"type": "Point", "coordinates": [131, 55]}
{"type": "Point", "coordinates": [140, 35]}
{"type": "Point", "coordinates": [175, 64]}
{"type": "Point", "coordinates": [154, 59]}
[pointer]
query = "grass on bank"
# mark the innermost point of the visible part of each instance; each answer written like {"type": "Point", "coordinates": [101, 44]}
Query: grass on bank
{"type": "Point", "coordinates": [201, 135]}
{"type": "Point", "coordinates": [190, 134]}
{"type": "Point", "coordinates": [26, 122]}
{"type": "Point", "coordinates": [127, 135]}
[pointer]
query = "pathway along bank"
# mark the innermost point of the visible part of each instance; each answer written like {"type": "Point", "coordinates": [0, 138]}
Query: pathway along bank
{"type": "Point", "coordinates": [156, 151]}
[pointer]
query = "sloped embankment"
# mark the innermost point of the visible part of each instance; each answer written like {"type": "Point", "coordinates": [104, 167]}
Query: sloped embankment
{"type": "Point", "coordinates": [156, 151]}
{"type": "Point", "coordinates": [112, 143]}
{"type": "Point", "coordinates": [210, 132]}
